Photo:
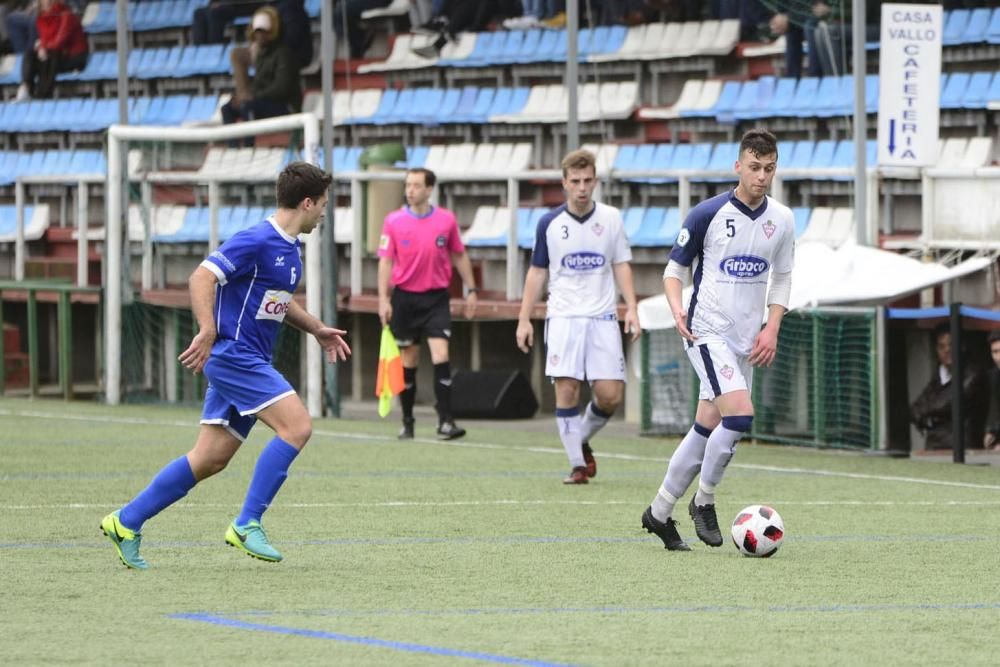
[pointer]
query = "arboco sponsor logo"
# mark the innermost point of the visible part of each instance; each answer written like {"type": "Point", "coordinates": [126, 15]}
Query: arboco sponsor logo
{"type": "Point", "coordinates": [744, 266]}
{"type": "Point", "coordinates": [583, 261]}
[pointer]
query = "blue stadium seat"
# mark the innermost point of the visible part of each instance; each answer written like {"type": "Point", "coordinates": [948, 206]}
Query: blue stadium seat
{"type": "Point", "coordinates": [526, 234]}
{"type": "Point", "coordinates": [979, 23]}
{"type": "Point", "coordinates": [833, 98]}
{"type": "Point", "coordinates": [823, 153]}
{"type": "Point", "coordinates": [801, 214]}
{"type": "Point", "coordinates": [417, 156]}
{"type": "Point", "coordinates": [401, 110]}
{"type": "Point", "coordinates": [671, 226]}
{"type": "Point", "coordinates": [481, 53]}
{"type": "Point", "coordinates": [13, 75]}
{"type": "Point", "coordinates": [802, 105]}
{"type": "Point", "coordinates": [611, 41]}
{"type": "Point", "coordinates": [632, 219]}
{"type": "Point", "coordinates": [994, 93]}
{"type": "Point", "coordinates": [699, 157]}
{"type": "Point", "coordinates": [871, 93]}
{"type": "Point", "coordinates": [465, 108]}
{"type": "Point", "coordinates": [977, 93]}
{"type": "Point", "coordinates": [642, 160]}
{"type": "Point", "coordinates": [385, 106]}
{"type": "Point", "coordinates": [509, 48]}
{"type": "Point", "coordinates": [509, 101]}
{"type": "Point", "coordinates": [955, 23]}
{"type": "Point", "coordinates": [993, 31]}
{"type": "Point", "coordinates": [726, 104]}
{"type": "Point", "coordinates": [953, 89]}
{"type": "Point", "coordinates": [722, 157]}
{"type": "Point", "coordinates": [800, 157]}
{"type": "Point", "coordinates": [663, 158]}
{"type": "Point", "coordinates": [428, 105]}
{"type": "Point", "coordinates": [649, 232]}
{"type": "Point", "coordinates": [529, 46]}
{"type": "Point", "coordinates": [746, 99]}
{"type": "Point", "coordinates": [201, 108]}
{"type": "Point", "coordinates": [547, 46]}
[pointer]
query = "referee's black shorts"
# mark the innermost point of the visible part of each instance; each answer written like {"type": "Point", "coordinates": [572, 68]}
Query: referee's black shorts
{"type": "Point", "coordinates": [416, 313]}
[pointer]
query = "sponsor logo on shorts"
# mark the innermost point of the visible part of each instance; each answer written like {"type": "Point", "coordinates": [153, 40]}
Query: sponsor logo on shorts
{"type": "Point", "coordinates": [744, 266]}
{"type": "Point", "coordinates": [683, 237]}
{"type": "Point", "coordinates": [769, 228]}
{"type": "Point", "coordinates": [727, 372]}
{"type": "Point", "coordinates": [584, 261]}
{"type": "Point", "coordinates": [225, 260]}
{"type": "Point", "coordinates": [274, 305]}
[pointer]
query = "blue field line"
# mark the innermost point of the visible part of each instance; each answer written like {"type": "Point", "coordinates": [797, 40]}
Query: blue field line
{"type": "Point", "coordinates": [513, 541]}
{"type": "Point", "coordinates": [366, 641]}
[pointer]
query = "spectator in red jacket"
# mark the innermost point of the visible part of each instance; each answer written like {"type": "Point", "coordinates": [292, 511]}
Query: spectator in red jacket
{"type": "Point", "coordinates": [61, 47]}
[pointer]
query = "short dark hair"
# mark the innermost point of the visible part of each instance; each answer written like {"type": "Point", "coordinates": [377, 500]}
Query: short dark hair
{"type": "Point", "coordinates": [759, 142]}
{"type": "Point", "coordinates": [299, 181]}
{"type": "Point", "coordinates": [429, 178]}
{"type": "Point", "coordinates": [940, 330]}
{"type": "Point", "coordinates": [994, 337]}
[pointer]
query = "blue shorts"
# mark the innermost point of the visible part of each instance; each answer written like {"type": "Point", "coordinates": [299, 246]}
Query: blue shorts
{"type": "Point", "coordinates": [239, 386]}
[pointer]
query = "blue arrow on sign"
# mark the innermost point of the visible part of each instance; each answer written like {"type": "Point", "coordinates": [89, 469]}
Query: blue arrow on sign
{"type": "Point", "coordinates": [892, 135]}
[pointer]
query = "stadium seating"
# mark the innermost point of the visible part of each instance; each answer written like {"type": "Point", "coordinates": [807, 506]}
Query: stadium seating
{"type": "Point", "coordinates": [36, 221]}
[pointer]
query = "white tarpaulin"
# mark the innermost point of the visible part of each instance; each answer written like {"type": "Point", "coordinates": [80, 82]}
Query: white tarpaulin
{"type": "Point", "coordinates": [850, 275]}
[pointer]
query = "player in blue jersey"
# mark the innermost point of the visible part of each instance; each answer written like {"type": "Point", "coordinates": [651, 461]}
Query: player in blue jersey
{"type": "Point", "coordinates": [734, 242]}
{"type": "Point", "coordinates": [582, 249]}
{"type": "Point", "coordinates": [240, 295]}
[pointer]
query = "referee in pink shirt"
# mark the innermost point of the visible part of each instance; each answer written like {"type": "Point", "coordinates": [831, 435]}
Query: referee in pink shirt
{"type": "Point", "coordinates": [419, 244]}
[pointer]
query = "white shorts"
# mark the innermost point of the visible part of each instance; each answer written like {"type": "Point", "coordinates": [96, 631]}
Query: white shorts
{"type": "Point", "coordinates": [584, 348]}
{"type": "Point", "coordinates": [719, 369]}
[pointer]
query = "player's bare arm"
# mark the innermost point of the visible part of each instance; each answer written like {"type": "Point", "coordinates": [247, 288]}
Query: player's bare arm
{"type": "Point", "coordinates": [329, 338]}
{"type": "Point", "coordinates": [384, 305]}
{"type": "Point", "coordinates": [623, 276]}
{"type": "Point", "coordinates": [201, 285]}
{"type": "Point", "coordinates": [673, 287]}
{"type": "Point", "coordinates": [765, 346]}
{"type": "Point", "coordinates": [464, 267]}
{"type": "Point", "coordinates": [533, 284]}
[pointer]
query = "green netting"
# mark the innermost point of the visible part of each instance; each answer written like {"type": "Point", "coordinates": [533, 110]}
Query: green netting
{"type": "Point", "coordinates": [152, 338]}
{"type": "Point", "coordinates": [820, 391]}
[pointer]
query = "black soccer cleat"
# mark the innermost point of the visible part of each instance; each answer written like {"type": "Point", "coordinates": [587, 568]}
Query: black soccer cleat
{"type": "Point", "coordinates": [706, 524]}
{"type": "Point", "coordinates": [406, 433]}
{"type": "Point", "coordinates": [449, 431]}
{"type": "Point", "coordinates": [665, 531]}
{"type": "Point", "coordinates": [588, 458]}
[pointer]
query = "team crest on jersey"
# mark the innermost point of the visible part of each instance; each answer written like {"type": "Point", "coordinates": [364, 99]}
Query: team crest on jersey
{"type": "Point", "coordinates": [769, 228]}
{"type": "Point", "coordinates": [727, 372]}
{"type": "Point", "coordinates": [279, 260]}
{"type": "Point", "coordinates": [683, 237]}
{"type": "Point", "coordinates": [274, 305]}
{"type": "Point", "coordinates": [440, 241]}
{"type": "Point", "coordinates": [597, 228]}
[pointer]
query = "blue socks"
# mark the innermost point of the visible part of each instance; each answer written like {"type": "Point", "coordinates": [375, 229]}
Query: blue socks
{"type": "Point", "coordinates": [268, 476]}
{"type": "Point", "coordinates": [170, 485]}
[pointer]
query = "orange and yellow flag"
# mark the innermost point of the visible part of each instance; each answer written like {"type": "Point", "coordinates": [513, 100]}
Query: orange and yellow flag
{"type": "Point", "coordinates": [389, 380]}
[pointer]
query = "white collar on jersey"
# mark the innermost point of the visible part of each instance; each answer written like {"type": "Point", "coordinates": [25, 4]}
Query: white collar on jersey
{"type": "Point", "coordinates": [282, 232]}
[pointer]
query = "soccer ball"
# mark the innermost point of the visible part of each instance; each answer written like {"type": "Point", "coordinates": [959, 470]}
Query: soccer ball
{"type": "Point", "coordinates": [758, 531]}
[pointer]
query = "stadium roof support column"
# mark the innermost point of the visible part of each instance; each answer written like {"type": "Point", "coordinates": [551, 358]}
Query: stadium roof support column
{"type": "Point", "coordinates": [572, 77]}
{"type": "Point", "coordinates": [860, 125]}
{"type": "Point", "coordinates": [331, 391]}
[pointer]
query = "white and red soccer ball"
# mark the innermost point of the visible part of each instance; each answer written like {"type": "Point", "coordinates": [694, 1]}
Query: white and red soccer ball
{"type": "Point", "coordinates": [758, 531]}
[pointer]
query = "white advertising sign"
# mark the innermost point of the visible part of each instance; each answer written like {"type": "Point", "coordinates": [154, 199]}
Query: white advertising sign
{"type": "Point", "coordinates": [909, 85]}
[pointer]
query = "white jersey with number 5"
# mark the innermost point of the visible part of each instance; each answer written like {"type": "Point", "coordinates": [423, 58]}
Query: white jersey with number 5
{"type": "Point", "coordinates": [733, 250]}
{"type": "Point", "coordinates": [579, 253]}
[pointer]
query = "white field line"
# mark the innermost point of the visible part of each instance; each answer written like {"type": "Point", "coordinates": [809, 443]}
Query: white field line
{"type": "Point", "coordinates": [379, 439]}
{"type": "Point", "coordinates": [496, 503]}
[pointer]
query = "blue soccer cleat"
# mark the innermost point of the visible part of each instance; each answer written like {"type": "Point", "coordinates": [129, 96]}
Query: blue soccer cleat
{"type": "Point", "coordinates": [252, 539]}
{"type": "Point", "coordinates": [126, 541]}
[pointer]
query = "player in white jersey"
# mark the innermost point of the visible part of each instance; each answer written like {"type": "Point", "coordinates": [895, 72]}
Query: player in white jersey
{"type": "Point", "coordinates": [582, 249]}
{"type": "Point", "coordinates": [734, 242]}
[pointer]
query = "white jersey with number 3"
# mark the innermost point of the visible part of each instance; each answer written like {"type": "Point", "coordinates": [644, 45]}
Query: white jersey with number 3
{"type": "Point", "coordinates": [732, 250]}
{"type": "Point", "coordinates": [579, 254]}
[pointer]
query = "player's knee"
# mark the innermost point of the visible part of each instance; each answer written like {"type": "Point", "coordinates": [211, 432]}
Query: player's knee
{"type": "Point", "coordinates": [739, 423]}
{"type": "Point", "coordinates": [298, 434]}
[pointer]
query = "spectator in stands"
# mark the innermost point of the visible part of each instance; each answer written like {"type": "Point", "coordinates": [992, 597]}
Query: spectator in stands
{"type": "Point", "coordinates": [276, 88]}
{"type": "Point", "coordinates": [931, 412]}
{"type": "Point", "coordinates": [535, 12]}
{"type": "Point", "coordinates": [347, 23]}
{"type": "Point", "coordinates": [992, 437]}
{"type": "Point", "coordinates": [825, 28]}
{"type": "Point", "coordinates": [61, 47]}
{"type": "Point", "coordinates": [295, 32]}
{"type": "Point", "coordinates": [460, 16]}
{"type": "Point", "coordinates": [208, 23]}
{"type": "Point", "coordinates": [18, 24]}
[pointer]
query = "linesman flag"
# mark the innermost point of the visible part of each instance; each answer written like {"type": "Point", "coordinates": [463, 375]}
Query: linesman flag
{"type": "Point", "coordinates": [389, 381]}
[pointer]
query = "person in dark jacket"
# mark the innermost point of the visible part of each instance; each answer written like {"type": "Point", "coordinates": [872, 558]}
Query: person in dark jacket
{"type": "Point", "coordinates": [275, 88]}
{"type": "Point", "coordinates": [931, 412]}
{"type": "Point", "coordinates": [992, 437]}
{"type": "Point", "coordinates": [61, 47]}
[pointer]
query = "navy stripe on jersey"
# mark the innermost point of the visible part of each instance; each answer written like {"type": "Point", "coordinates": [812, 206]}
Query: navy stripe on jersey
{"type": "Point", "coordinates": [752, 213]}
{"type": "Point", "coordinates": [696, 225]}
{"type": "Point", "coordinates": [540, 255]}
{"type": "Point", "coordinates": [706, 358]}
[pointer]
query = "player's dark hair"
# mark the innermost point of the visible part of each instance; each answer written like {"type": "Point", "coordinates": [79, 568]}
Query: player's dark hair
{"type": "Point", "coordinates": [299, 181]}
{"type": "Point", "coordinates": [993, 337]}
{"type": "Point", "coordinates": [579, 159]}
{"type": "Point", "coordinates": [429, 178]}
{"type": "Point", "coordinates": [759, 143]}
{"type": "Point", "coordinates": [940, 330]}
